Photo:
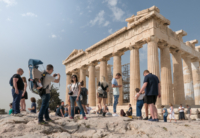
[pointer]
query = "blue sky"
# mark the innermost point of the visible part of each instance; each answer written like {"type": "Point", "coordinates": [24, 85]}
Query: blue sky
{"type": "Point", "coordinates": [49, 30]}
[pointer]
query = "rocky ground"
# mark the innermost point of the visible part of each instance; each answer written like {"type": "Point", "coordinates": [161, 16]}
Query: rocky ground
{"type": "Point", "coordinates": [95, 127]}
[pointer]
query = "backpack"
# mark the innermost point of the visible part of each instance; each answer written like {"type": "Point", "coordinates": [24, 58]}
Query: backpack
{"type": "Point", "coordinates": [84, 91]}
{"type": "Point", "coordinates": [11, 81]}
{"type": "Point", "coordinates": [100, 89]}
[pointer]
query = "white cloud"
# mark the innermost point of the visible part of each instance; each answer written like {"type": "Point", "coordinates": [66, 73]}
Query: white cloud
{"type": "Point", "coordinates": [29, 14]}
{"type": "Point", "coordinates": [9, 2]}
{"type": "Point", "coordinates": [98, 19]}
{"type": "Point", "coordinates": [106, 23]}
{"type": "Point", "coordinates": [110, 31]}
{"type": "Point", "coordinates": [117, 12]}
{"type": "Point", "coordinates": [53, 36]}
{"type": "Point", "coordinates": [8, 19]}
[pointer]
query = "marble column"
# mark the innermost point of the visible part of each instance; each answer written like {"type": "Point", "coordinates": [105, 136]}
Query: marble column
{"type": "Point", "coordinates": [96, 84]}
{"type": "Point", "coordinates": [188, 80]}
{"type": "Point", "coordinates": [118, 69]}
{"type": "Point", "coordinates": [110, 84]}
{"type": "Point", "coordinates": [92, 92]}
{"type": "Point", "coordinates": [83, 75]}
{"type": "Point", "coordinates": [68, 81]}
{"type": "Point", "coordinates": [166, 76]}
{"type": "Point", "coordinates": [153, 62]}
{"type": "Point", "coordinates": [134, 72]}
{"type": "Point", "coordinates": [178, 85]}
{"type": "Point", "coordinates": [196, 81]}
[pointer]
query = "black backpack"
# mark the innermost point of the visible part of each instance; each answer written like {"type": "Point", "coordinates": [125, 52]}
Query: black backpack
{"type": "Point", "coordinates": [84, 91]}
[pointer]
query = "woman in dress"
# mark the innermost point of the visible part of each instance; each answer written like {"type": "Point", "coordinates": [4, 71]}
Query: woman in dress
{"type": "Point", "coordinates": [171, 116]}
{"type": "Point", "coordinates": [76, 91]}
{"type": "Point", "coordinates": [24, 95]}
{"type": "Point", "coordinates": [104, 86]}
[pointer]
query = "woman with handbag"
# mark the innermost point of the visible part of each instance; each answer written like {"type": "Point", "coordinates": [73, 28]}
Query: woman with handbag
{"type": "Point", "coordinates": [75, 96]}
{"type": "Point", "coordinates": [102, 94]}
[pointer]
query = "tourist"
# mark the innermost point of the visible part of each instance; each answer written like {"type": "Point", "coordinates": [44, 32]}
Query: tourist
{"type": "Point", "coordinates": [24, 95]}
{"type": "Point", "coordinates": [11, 110]}
{"type": "Point", "coordinates": [130, 110]}
{"type": "Point", "coordinates": [165, 113]}
{"type": "Point", "coordinates": [189, 111]}
{"type": "Point", "coordinates": [122, 113]}
{"type": "Point", "coordinates": [116, 87]}
{"type": "Point", "coordinates": [104, 86]}
{"type": "Point", "coordinates": [46, 97]}
{"type": "Point", "coordinates": [88, 108]}
{"type": "Point", "coordinates": [139, 97]}
{"type": "Point", "coordinates": [84, 93]}
{"type": "Point", "coordinates": [152, 90]}
{"type": "Point", "coordinates": [145, 106]}
{"type": "Point", "coordinates": [66, 111]}
{"type": "Point", "coordinates": [17, 89]}
{"type": "Point", "coordinates": [181, 112]}
{"type": "Point", "coordinates": [60, 110]}
{"type": "Point", "coordinates": [33, 105]}
{"type": "Point", "coordinates": [75, 96]}
{"type": "Point", "coordinates": [171, 113]}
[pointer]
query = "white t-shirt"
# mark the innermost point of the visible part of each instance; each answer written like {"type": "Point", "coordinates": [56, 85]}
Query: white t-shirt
{"type": "Point", "coordinates": [88, 109]}
{"type": "Point", "coordinates": [47, 82]}
{"type": "Point", "coordinates": [75, 89]}
{"type": "Point", "coordinates": [140, 97]}
{"type": "Point", "coordinates": [39, 84]}
{"type": "Point", "coordinates": [181, 110]}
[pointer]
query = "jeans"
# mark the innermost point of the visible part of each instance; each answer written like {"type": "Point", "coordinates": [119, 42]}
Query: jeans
{"type": "Point", "coordinates": [116, 97]}
{"type": "Point", "coordinates": [72, 100]}
{"type": "Point", "coordinates": [44, 107]}
{"type": "Point", "coordinates": [66, 115]}
{"type": "Point", "coordinates": [165, 118]}
{"type": "Point", "coordinates": [139, 106]}
{"type": "Point", "coordinates": [16, 101]}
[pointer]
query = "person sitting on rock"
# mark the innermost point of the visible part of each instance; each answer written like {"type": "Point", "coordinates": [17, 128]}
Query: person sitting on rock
{"type": "Point", "coordinates": [33, 105]}
{"type": "Point", "coordinates": [66, 111]}
{"type": "Point", "coordinates": [60, 110]}
{"type": "Point", "coordinates": [11, 110]}
{"type": "Point", "coordinates": [88, 108]}
{"type": "Point", "coordinates": [122, 113]}
{"type": "Point", "coordinates": [129, 112]}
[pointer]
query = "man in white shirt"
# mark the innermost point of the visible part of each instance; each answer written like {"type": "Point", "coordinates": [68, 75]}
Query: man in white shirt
{"type": "Point", "coordinates": [181, 112]}
{"type": "Point", "coordinates": [46, 97]}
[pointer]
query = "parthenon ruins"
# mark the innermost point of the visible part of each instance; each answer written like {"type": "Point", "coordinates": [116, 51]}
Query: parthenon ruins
{"type": "Point", "coordinates": [151, 28]}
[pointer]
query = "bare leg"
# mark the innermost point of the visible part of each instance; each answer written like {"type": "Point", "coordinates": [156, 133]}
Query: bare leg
{"type": "Point", "coordinates": [146, 109]}
{"type": "Point", "coordinates": [155, 112]}
{"type": "Point", "coordinates": [104, 104]}
{"type": "Point", "coordinates": [21, 104]}
{"type": "Point", "coordinates": [151, 110]}
{"type": "Point", "coordinates": [84, 108]}
{"type": "Point", "coordinates": [100, 99]}
{"type": "Point", "coordinates": [24, 105]}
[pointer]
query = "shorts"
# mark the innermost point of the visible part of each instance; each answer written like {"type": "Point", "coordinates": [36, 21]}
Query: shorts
{"type": "Point", "coordinates": [25, 96]}
{"type": "Point", "coordinates": [151, 99]}
{"type": "Point", "coordinates": [104, 95]}
{"type": "Point", "coordinates": [145, 99]}
{"type": "Point", "coordinates": [84, 100]}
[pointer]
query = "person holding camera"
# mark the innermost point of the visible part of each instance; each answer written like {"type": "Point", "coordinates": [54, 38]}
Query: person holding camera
{"type": "Point", "coordinates": [46, 97]}
{"type": "Point", "coordinates": [74, 93]}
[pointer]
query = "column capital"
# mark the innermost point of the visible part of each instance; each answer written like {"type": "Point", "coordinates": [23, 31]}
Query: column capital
{"type": "Point", "coordinates": [104, 59]}
{"type": "Point", "coordinates": [136, 46]}
{"type": "Point", "coordinates": [119, 53]}
{"type": "Point", "coordinates": [93, 63]}
{"type": "Point", "coordinates": [152, 39]}
{"type": "Point", "coordinates": [84, 67]}
{"type": "Point", "coordinates": [163, 44]}
{"type": "Point", "coordinates": [175, 50]}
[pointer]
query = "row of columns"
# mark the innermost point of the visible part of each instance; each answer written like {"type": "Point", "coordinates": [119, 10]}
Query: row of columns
{"type": "Point", "coordinates": [186, 74]}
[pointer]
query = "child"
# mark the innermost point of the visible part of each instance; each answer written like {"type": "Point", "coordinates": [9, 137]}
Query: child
{"type": "Point", "coordinates": [172, 113]}
{"type": "Point", "coordinates": [11, 110]}
{"type": "Point", "coordinates": [165, 113]}
{"type": "Point", "coordinates": [33, 105]}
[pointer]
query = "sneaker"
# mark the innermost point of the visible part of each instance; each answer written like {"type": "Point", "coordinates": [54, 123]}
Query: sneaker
{"type": "Point", "coordinates": [154, 120]}
{"type": "Point", "coordinates": [49, 120]}
{"type": "Point", "coordinates": [104, 114]}
{"type": "Point", "coordinates": [146, 118]}
{"type": "Point", "coordinates": [115, 115]}
{"type": "Point", "coordinates": [18, 115]}
{"type": "Point", "coordinates": [150, 119]}
{"type": "Point", "coordinates": [71, 118]}
{"type": "Point", "coordinates": [157, 120]}
{"type": "Point", "coordinates": [42, 123]}
{"type": "Point", "coordinates": [85, 117]}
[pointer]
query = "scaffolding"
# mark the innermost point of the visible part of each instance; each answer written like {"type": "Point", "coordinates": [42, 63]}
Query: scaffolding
{"type": "Point", "coordinates": [125, 83]}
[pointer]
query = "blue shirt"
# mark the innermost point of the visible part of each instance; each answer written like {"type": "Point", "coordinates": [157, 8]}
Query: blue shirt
{"type": "Point", "coordinates": [116, 89]}
{"type": "Point", "coordinates": [165, 113]}
{"type": "Point", "coordinates": [33, 105]}
{"type": "Point", "coordinates": [152, 86]}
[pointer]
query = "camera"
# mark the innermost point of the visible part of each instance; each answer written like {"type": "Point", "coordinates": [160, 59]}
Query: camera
{"type": "Point", "coordinates": [55, 75]}
{"type": "Point", "coordinates": [70, 93]}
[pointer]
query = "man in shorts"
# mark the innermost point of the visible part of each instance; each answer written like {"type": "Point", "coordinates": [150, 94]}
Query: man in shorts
{"type": "Point", "coordinates": [152, 91]}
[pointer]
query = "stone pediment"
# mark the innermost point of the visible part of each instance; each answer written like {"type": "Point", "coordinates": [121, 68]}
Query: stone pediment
{"type": "Point", "coordinates": [75, 53]}
{"type": "Point", "coordinates": [144, 15]}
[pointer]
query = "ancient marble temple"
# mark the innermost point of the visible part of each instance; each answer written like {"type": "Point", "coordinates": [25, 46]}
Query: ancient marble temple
{"type": "Point", "coordinates": [151, 28]}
